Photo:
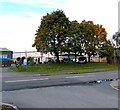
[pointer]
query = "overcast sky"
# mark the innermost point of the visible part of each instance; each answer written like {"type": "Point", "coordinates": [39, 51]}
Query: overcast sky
{"type": "Point", "coordinates": [19, 19]}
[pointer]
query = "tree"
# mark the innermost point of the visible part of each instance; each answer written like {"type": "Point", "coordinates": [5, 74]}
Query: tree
{"type": "Point", "coordinates": [93, 36]}
{"type": "Point", "coordinates": [116, 37]}
{"type": "Point", "coordinates": [89, 39]}
{"type": "Point", "coordinates": [18, 58]}
{"type": "Point", "coordinates": [52, 33]}
{"type": "Point", "coordinates": [74, 39]}
{"type": "Point", "coordinates": [106, 50]}
{"type": "Point", "coordinates": [22, 59]}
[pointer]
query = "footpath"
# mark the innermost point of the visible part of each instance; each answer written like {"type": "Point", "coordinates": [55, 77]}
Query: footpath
{"type": "Point", "coordinates": [115, 85]}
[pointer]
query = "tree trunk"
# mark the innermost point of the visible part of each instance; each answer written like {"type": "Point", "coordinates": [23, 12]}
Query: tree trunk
{"type": "Point", "coordinates": [89, 56]}
{"type": "Point", "coordinates": [75, 57]}
{"type": "Point", "coordinates": [57, 55]}
{"type": "Point", "coordinates": [69, 56]}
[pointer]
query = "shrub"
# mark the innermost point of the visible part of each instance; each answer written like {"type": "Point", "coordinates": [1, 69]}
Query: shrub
{"type": "Point", "coordinates": [4, 107]}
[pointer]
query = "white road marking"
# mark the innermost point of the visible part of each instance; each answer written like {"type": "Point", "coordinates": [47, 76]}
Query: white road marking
{"type": "Point", "coordinates": [26, 80]}
{"type": "Point", "coordinates": [47, 78]}
{"type": "Point", "coordinates": [91, 73]}
{"type": "Point", "coordinates": [80, 76]}
{"type": "Point", "coordinates": [74, 76]}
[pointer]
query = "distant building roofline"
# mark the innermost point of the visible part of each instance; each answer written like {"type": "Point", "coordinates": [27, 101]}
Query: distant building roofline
{"type": "Point", "coordinates": [4, 49]}
{"type": "Point", "coordinates": [25, 51]}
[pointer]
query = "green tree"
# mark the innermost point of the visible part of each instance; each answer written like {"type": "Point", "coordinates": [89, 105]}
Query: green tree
{"type": "Point", "coordinates": [93, 35]}
{"type": "Point", "coordinates": [106, 50]}
{"type": "Point", "coordinates": [89, 39]}
{"type": "Point", "coordinates": [74, 39]}
{"type": "Point", "coordinates": [116, 37]}
{"type": "Point", "coordinates": [52, 33]}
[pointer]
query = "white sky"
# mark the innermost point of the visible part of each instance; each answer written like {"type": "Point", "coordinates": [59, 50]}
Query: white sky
{"type": "Point", "coordinates": [17, 28]}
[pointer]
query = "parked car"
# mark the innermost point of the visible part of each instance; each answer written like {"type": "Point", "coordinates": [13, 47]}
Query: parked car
{"type": "Point", "coordinates": [66, 60]}
{"type": "Point", "coordinates": [52, 60]}
{"type": "Point", "coordinates": [82, 59]}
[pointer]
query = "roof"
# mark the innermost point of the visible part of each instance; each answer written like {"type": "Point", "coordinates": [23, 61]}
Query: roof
{"type": "Point", "coordinates": [4, 49]}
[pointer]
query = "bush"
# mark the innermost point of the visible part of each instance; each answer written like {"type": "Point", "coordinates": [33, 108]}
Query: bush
{"type": "Point", "coordinates": [4, 107]}
{"type": "Point", "coordinates": [30, 60]}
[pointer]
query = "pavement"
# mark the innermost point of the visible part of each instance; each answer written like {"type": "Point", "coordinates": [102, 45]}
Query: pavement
{"type": "Point", "coordinates": [115, 85]}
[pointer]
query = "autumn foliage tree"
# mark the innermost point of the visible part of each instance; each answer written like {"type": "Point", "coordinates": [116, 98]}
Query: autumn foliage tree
{"type": "Point", "coordinates": [56, 34]}
{"type": "Point", "coordinates": [52, 33]}
{"type": "Point", "coordinates": [106, 48]}
{"type": "Point", "coordinates": [93, 35]}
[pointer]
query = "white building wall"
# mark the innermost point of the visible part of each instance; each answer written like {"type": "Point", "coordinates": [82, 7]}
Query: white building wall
{"type": "Point", "coordinates": [31, 54]}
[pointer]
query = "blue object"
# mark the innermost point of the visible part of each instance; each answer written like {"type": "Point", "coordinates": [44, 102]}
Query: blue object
{"type": "Point", "coordinates": [4, 57]}
{"type": "Point", "coordinates": [25, 62]}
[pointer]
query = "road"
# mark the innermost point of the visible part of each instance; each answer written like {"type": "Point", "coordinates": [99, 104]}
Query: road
{"type": "Point", "coordinates": [94, 96]}
{"type": "Point", "coordinates": [23, 80]}
{"type": "Point", "coordinates": [27, 90]}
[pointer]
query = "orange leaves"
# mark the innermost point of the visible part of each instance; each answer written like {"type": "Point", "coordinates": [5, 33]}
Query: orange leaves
{"type": "Point", "coordinates": [95, 29]}
{"type": "Point", "coordinates": [100, 36]}
{"type": "Point", "coordinates": [91, 25]}
{"type": "Point", "coordinates": [104, 33]}
{"type": "Point", "coordinates": [85, 23]}
{"type": "Point", "coordinates": [100, 31]}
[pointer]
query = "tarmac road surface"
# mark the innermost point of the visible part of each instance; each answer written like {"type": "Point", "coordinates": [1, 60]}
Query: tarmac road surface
{"type": "Point", "coordinates": [23, 80]}
{"type": "Point", "coordinates": [91, 96]}
{"type": "Point", "coordinates": [15, 90]}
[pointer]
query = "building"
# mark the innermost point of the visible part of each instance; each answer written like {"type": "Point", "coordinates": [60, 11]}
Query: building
{"type": "Point", "coordinates": [41, 57]}
{"type": "Point", "coordinates": [6, 53]}
{"type": "Point", "coordinates": [5, 57]}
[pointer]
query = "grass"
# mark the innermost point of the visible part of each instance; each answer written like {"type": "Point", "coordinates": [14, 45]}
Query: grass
{"type": "Point", "coordinates": [61, 68]}
{"type": "Point", "coordinates": [4, 107]}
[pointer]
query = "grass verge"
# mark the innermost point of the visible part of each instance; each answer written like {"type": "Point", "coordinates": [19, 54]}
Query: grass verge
{"type": "Point", "coordinates": [61, 68]}
{"type": "Point", "coordinates": [77, 71]}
